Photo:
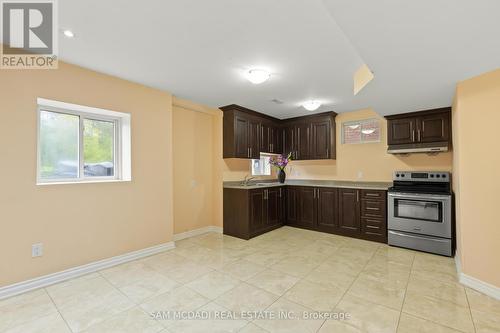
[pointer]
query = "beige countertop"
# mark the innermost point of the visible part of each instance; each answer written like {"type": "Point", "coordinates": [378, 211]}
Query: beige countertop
{"type": "Point", "coordinates": [315, 183]}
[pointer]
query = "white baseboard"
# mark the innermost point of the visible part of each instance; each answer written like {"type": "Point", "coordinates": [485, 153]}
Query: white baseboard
{"type": "Point", "coordinates": [476, 284]}
{"type": "Point", "coordinates": [46, 280]}
{"type": "Point", "coordinates": [196, 232]}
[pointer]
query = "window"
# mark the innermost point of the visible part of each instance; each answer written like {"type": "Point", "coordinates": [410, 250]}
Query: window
{"type": "Point", "coordinates": [261, 167]}
{"type": "Point", "coordinates": [81, 144]}
{"type": "Point", "coordinates": [362, 131]}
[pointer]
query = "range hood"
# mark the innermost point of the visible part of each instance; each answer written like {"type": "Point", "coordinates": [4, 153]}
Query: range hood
{"type": "Point", "coordinates": [435, 147]}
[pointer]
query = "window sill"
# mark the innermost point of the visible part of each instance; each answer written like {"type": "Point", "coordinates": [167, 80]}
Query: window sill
{"type": "Point", "coordinates": [96, 181]}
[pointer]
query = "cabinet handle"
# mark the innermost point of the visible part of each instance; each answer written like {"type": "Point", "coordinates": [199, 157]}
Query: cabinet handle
{"type": "Point", "coordinates": [418, 135]}
{"type": "Point", "coordinates": [280, 192]}
{"type": "Point", "coordinates": [372, 194]}
{"type": "Point", "coordinates": [319, 194]}
{"type": "Point", "coordinates": [413, 136]}
{"type": "Point", "coordinates": [250, 151]}
{"type": "Point", "coordinates": [357, 196]}
{"type": "Point", "coordinates": [327, 152]}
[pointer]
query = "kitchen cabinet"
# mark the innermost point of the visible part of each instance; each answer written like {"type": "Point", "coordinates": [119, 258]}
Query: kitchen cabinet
{"type": "Point", "coordinates": [249, 213]}
{"type": "Point", "coordinates": [247, 133]}
{"type": "Point", "coordinates": [349, 213]}
{"type": "Point", "coordinates": [327, 217]}
{"type": "Point", "coordinates": [420, 128]}
{"type": "Point", "coordinates": [311, 137]}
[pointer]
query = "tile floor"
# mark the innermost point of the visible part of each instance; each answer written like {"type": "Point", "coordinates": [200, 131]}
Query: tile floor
{"type": "Point", "coordinates": [383, 289]}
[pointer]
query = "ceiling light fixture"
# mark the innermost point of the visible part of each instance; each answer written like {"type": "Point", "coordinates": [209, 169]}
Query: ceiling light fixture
{"type": "Point", "coordinates": [311, 105]}
{"type": "Point", "coordinates": [68, 33]}
{"type": "Point", "coordinates": [257, 76]}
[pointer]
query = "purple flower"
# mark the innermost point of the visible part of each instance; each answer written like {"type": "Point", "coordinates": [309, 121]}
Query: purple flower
{"type": "Point", "coordinates": [280, 161]}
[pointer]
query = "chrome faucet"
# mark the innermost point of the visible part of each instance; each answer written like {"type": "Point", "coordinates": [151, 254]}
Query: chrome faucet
{"type": "Point", "coordinates": [247, 180]}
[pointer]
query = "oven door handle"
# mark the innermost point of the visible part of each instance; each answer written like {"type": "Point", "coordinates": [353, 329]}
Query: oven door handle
{"type": "Point", "coordinates": [419, 196]}
{"type": "Point", "coordinates": [418, 237]}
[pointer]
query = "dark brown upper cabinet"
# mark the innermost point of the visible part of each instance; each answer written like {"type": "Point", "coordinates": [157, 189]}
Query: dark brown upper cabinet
{"type": "Point", "coordinates": [311, 137]}
{"type": "Point", "coordinates": [419, 130]}
{"type": "Point", "coordinates": [247, 133]}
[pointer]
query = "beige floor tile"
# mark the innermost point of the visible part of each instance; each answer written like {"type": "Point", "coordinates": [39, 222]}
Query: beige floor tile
{"type": "Point", "coordinates": [273, 281]}
{"type": "Point", "coordinates": [323, 247]}
{"type": "Point", "coordinates": [179, 299]}
{"type": "Point", "coordinates": [164, 261]}
{"type": "Point", "coordinates": [395, 255]}
{"type": "Point", "coordinates": [252, 328]}
{"type": "Point", "coordinates": [20, 309]}
{"type": "Point", "coordinates": [213, 284]}
{"type": "Point", "coordinates": [48, 324]}
{"type": "Point", "coordinates": [439, 311]}
{"type": "Point", "coordinates": [448, 291]}
{"type": "Point", "coordinates": [483, 303]}
{"type": "Point", "coordinates": [218, 321]}
{"type": "Point", "coordinates": [368, 317]}
{"type": "Point", "coordinates": [378, 267]}
{"type": "Point", "coordinates": [138, 281]}
{"type": "Point", "coordinates": [295, 266]}
{"type": "Point", "coordinates": [187, 271]}
{"type": "Point", "coordinates": [266, 257]}
{"type": "Point", "coordinates": [333, 275]}
{"type": "Point", "coordinates": [486, 322]}
{"type": "Point", "coordinates": [131, 321]}
{"type": "Point", "coordinates": [411, 324]}
{"type": "Point", "coordinates": [314, 296]}
{"type": "Point", "coordinates": [337, 326]}
{"type": "Point", "coordinates": [295, 322]}
{"type": "Point", "coordinates": [246, 297]}
{"type": "Point", "coordinates": [376, 291]}
{"type": "Point", "coordinates": [242, 269]}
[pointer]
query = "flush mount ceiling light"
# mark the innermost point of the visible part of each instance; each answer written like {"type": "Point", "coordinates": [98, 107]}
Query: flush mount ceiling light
{"type": "Point", "coordinates": [311, 105]}
{"type": "Point", "coordinates": [257, 76]}
{"type": "Point", "coordinates": [68, 33]}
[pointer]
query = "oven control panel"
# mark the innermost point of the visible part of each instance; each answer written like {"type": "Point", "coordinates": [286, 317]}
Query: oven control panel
{"type": "Point", "coordinates": [423, 176]}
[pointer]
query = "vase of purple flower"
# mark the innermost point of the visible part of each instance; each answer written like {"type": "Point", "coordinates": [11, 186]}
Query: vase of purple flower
{"type": "Point", "coordinates": [280, 162]}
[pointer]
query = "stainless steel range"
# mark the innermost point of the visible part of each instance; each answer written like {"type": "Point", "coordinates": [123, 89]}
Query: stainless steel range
{"type": "Point", "coordinates": [420, 212]}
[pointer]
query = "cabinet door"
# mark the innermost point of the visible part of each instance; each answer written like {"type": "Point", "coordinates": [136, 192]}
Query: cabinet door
{"type": "Point", "coordinates": [256, 207]}
{"type": "Point", "coordinates": [327, 208]}
{"type": "Point", "coordinates": [292, 201]}
{"type": "Point", "coordinates": [265, 138]}
{"type": "Point", "coordinates": [320, 148]}
{"type": "Point", "coordinates": [307, 207]}
{"type": "Point", "coordinates": [273, 206]}
{"type": "Point", "coordinates": [349, 217]}
{"type": "Point", "coordinates": [254, 138]}
{"type": "Point", "coordinates": [241, 137]}
{"type": "Point", "coordinates": [290, 141]}
{"type": "Point", "coordinates": [303, 133]}
{"type": "Point", "coordinates": [278, 141]}
{"type": "Point", "coordinates": [434, 127]}
{"type": "Point", "coordinates": [401, 131]}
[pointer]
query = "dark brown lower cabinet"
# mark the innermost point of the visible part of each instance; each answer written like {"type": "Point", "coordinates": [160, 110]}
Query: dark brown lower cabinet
{"type": "Point", "coordinates": [249, 213]}
{"type": "Point", "coordinates": [344, 211]}
{"type": "Point", "coordinates": [349, 214]}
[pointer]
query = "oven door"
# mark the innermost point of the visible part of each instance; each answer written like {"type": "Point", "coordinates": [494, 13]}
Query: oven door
{"type": "Point", "coordinates": [428, 214]}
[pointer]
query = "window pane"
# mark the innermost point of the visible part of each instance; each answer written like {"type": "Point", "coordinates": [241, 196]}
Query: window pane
{"type": "Point", "coordinates": [352, 133]}
{"type": "Point", "coordinates": [371, 131]}
{"type": "Point", "coordinates": [261, 167]}
{"type": "Point", "coordinates": [58, 145]}
{"type": "Point", "coordinates": [98, 148]}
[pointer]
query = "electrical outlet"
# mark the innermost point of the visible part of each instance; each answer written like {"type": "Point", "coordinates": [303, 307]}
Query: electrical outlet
{"type": "Point", "coordinates": [37, 250]}
{"type": "Point", "coordinates": [360, 174]}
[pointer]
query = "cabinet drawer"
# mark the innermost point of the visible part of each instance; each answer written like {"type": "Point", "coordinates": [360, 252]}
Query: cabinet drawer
{"type": "Point", "coordinates": [373, 226]}
{"type": "Point", "coordinates": [372, 208]}
{"type": "Point", "coordinates": [373, 194]}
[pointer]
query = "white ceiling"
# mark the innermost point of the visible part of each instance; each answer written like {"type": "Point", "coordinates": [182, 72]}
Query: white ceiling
{"type": "Point", "coordinates": [199, 49]}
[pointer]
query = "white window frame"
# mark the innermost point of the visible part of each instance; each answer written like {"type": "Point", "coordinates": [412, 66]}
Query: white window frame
{"type": "Point", "coordinates": [360, 123]}
{"type": "Point", "coordinates": [121, 145]}
{"type": "Point", "coordinates": [266, 166]}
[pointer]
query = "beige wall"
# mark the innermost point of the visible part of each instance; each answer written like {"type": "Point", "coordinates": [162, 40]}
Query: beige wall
{"type": "Point", "coordinates": [476, 116]}
{"type": "Point", "coordinates": [80, 223]}
{"type": "Point", "coordinates": [197, 173]}
{"type": "Point", "coordinates": [371, 159]}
